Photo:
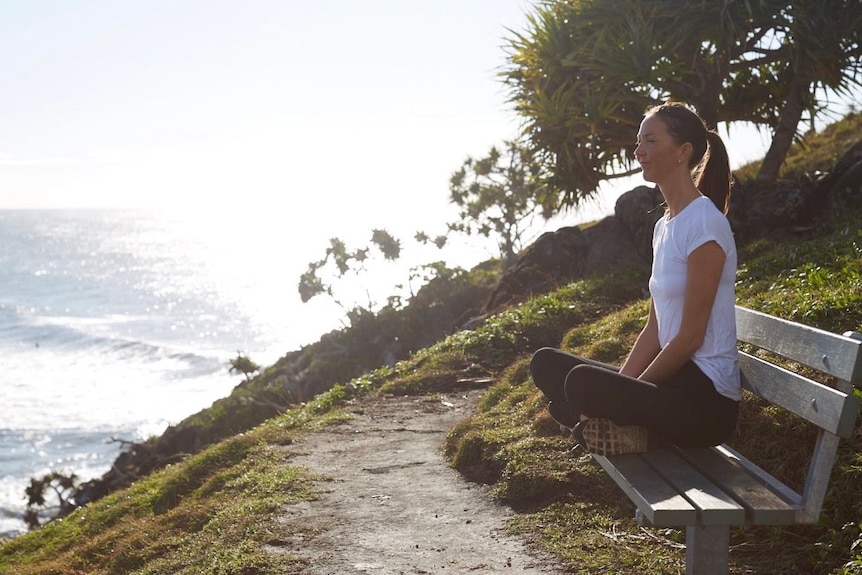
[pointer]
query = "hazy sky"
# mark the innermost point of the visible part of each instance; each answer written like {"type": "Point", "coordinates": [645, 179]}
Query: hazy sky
{"type": "Point", "coordinates": [322, 112]}
{"type": "Point", "coordinates": [212, 103]}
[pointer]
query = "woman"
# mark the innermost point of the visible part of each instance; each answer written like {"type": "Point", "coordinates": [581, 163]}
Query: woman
{"type": "Point", "coordinates": [680, 381]}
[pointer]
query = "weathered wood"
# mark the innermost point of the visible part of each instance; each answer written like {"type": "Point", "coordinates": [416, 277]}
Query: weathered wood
{"type": "Point", "coordinates": [819, 473]}
{"type": "Point", "coordinates": [707, 550]}
{"type": "Point", "coordinates": [658, 501]}
{"type": "Point", "coordinates": [748, 486]}
{"type": "Point", "coordinates": [714, 506]}
{"type": "Point", "coordinates": [824, 406]}
{"type": "Point", "coordinates": [830, 353]}
{"type": "Point", "coordinates": [773, 484]}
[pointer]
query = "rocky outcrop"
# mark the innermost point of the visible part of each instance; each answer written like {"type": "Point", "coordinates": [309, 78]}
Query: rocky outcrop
{"type": "Point", "coordinates": [844, 183]}
{"type": "Point", "coordinates": [623, 240]}
{"type": "Point", "coordinates": [638, 210]}
{"type": "Point", "coordinates": [560, 256]}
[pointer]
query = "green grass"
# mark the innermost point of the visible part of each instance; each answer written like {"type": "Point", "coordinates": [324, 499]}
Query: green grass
{"type": "Point", "coordinates": [211, 513]}
{"type": "Point", "coordinates": [816, 281]}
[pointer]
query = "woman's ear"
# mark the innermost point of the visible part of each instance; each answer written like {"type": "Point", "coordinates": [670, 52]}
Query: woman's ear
{"type": "Point", "coordinates": [685, 152]}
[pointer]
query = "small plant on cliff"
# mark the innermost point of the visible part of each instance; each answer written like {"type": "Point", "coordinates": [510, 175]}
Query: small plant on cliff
{"type": "Point", "coordinates": [49, 497]}
{"type": "Point", "coordinates": [244, 365]}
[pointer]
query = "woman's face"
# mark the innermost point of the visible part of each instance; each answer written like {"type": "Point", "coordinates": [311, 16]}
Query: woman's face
{"type": "Point", "coordinates": [657, 153]}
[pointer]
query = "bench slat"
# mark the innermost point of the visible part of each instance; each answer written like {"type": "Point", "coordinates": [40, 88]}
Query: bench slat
{"type": "Point", "coordinates": [657, 500]}
{"type": "Point", "coordinates": [763, 506]}
{"type": "Point", "coordinates": [824, 406]}
{"type": "Point", "coordinates": [715, 507]}
{"type": "Point", "coordinates": [834, 354]}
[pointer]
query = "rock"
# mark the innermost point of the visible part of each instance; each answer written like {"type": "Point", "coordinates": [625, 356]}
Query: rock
{"type": "Point", "coordinates": [638, 210]}
{"type": "Point", "coordinates": [576, 252]}
{"type": "Point", "coordinates": [845, 181]}
{"type": "Point", "coordinates": [847, 191]}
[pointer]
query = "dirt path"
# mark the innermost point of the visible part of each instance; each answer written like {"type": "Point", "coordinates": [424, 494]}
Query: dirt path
{"type": "Point", "coordinates": [393, 506]}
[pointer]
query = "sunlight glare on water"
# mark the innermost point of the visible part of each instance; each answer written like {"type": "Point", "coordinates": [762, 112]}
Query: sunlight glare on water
{"type": "Point", "coordinates": [254, 264]}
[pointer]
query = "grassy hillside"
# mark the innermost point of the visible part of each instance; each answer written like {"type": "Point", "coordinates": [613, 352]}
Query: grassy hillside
{"type": "Point", "coordinates": [212, 512]}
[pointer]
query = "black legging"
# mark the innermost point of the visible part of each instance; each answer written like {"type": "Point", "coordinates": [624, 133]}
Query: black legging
{"type": "Point", "coordinates": [684, 410]}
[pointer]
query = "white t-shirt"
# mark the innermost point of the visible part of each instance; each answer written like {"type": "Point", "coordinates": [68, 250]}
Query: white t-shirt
{"type": "Point", "coordinates": [673, 241]}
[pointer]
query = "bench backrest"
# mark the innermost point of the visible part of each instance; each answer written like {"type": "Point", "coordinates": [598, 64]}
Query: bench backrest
{"type": "Point", "coordinates": [832, 409]}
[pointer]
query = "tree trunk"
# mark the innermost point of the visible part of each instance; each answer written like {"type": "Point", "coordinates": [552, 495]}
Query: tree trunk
{"type": "Point", "coordinates": [782, 138]}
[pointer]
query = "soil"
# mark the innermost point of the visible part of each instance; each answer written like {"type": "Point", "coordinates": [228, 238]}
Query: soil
{"type": "Point", "coordinates": [391, 504]}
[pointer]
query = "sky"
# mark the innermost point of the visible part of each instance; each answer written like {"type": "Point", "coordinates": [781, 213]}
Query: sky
{"type": "Point", "coordinates": [213, 103]}
{"type": "Point", "coordinates": [324, 113]}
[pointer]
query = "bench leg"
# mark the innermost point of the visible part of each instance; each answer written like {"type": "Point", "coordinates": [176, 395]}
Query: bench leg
{"type": "Point", "coordinates": [707, 550]}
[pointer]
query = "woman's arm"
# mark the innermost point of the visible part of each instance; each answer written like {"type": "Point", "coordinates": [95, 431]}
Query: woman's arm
{"type": "Point", "coordinates": [703, 274]}
{"type": "Point", "coordinates": [645, 349]}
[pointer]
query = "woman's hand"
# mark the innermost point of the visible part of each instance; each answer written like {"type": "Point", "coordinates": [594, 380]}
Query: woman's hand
{"type": "Point", "coordinates": [645, 349]}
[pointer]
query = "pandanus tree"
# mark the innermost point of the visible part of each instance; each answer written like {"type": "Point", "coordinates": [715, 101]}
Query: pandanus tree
{"type": "Point", "coordinates": [582, 72]}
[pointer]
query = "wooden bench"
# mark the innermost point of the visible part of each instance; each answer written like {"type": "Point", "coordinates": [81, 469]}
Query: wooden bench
{"type": "Point", "coordinates": [709, 490]}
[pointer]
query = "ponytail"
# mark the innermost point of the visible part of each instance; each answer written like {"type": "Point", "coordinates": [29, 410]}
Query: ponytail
{"type": "Point", "coordinates": [713, 177]}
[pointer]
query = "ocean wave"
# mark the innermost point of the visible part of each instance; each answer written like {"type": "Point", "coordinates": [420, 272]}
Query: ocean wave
{"type": "Point", "coordinates": [97, 335]}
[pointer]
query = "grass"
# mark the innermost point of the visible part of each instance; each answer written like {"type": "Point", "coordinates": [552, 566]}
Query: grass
{"type": "Point", "coordinates": [216, 512]}
{"type": "Point", "coordinates": [816, 281]}
{"type": "Point", "coordinates": [211, 513]}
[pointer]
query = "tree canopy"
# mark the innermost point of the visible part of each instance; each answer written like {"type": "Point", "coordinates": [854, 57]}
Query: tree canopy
{"type": "Point", "coordinates": [583, 72]}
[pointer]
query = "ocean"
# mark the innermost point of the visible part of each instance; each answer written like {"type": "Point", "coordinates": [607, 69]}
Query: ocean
{"type": "Point", "coordinates": [116, 324]}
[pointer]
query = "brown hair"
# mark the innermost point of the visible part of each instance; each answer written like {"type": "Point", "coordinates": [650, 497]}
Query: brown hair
{"type": "Point", "coordinates": [709, 161]}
